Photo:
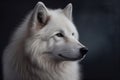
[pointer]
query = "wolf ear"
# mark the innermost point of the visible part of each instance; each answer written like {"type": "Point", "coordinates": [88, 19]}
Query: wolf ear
{"type": "Point", "coordinates": [68, 11]}
{"type": "Point", "coordinates": [40, 14]}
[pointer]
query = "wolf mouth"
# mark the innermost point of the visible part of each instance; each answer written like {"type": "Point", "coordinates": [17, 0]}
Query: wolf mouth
{"type": "Point", "coordinates": [68, 58]}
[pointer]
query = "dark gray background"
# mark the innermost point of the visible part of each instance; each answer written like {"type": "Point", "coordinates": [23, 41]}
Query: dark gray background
{"type": "Point", "coordinates": [98, 23]}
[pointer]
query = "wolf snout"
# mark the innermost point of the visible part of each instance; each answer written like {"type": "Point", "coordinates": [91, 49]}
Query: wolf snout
{"type": "Point", "coordinates": [83, 51]}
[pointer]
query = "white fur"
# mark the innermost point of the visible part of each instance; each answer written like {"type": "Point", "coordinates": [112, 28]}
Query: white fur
{"type": "Point", "coordinates": [23, 59]}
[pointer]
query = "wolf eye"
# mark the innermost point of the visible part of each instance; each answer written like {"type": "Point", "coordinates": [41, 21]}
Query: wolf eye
{"type": "Point", "coordinates": [73, 34]}
{"type": "Point", "coordinates": [59, 35]}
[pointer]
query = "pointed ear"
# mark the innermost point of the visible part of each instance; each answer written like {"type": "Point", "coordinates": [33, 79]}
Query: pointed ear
{"type": "Point", "coordinates": [68, 11]}
{"type": "Point", "coordinates": [40, 15]}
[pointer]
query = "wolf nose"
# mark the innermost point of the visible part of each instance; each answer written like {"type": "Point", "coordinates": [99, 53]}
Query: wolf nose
{"type": "Point", "coordinates": [83, 51]}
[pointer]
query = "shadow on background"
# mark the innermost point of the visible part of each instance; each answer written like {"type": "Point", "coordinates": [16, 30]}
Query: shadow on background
{"type": "Point", "coordinates": [98, 23]}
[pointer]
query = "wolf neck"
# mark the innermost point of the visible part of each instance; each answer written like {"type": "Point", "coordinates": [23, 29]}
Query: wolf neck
{"type": "Point", "coordinates": [64, 71]}
{"type": "Point", "coordinates": [48, 71]}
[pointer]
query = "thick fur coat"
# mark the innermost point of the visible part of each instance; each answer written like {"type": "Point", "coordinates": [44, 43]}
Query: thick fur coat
{"type": "Point", "coordinates": [44, 47]}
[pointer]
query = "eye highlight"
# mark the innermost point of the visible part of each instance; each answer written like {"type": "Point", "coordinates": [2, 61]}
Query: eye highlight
{"type": "Point", "coordinates": [59, 35]}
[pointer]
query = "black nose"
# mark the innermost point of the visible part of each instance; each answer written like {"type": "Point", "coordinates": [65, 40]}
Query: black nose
{"type": "Point", "coordinates": [83, 51]}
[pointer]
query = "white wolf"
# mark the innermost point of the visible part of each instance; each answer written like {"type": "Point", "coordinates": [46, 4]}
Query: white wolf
{"type": "Point", "coordinates": [44, 47]}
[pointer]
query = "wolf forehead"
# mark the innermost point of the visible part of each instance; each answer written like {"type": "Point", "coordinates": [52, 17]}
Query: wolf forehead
{"type": "Point", "coordinates": [60, 23]}
{"type": "Point", "coordinates": [54, 20]}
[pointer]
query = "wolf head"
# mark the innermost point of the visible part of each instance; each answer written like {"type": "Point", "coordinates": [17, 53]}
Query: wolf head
{"type": "Point", "coordinates": [53, 35]}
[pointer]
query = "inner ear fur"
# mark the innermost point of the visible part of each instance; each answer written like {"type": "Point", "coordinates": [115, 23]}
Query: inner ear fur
{"type": "Point", "coordinates": [68, 11]}
{"type": "Point", "coordinates": [40, 15]}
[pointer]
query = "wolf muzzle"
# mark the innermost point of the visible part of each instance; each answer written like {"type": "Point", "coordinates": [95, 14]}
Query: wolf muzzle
{"type": "Point", "coordinates": [82, 53]}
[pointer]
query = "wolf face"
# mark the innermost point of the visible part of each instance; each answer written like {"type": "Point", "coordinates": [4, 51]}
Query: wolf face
{"type": "Point", "coordinates": [53, 34]}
